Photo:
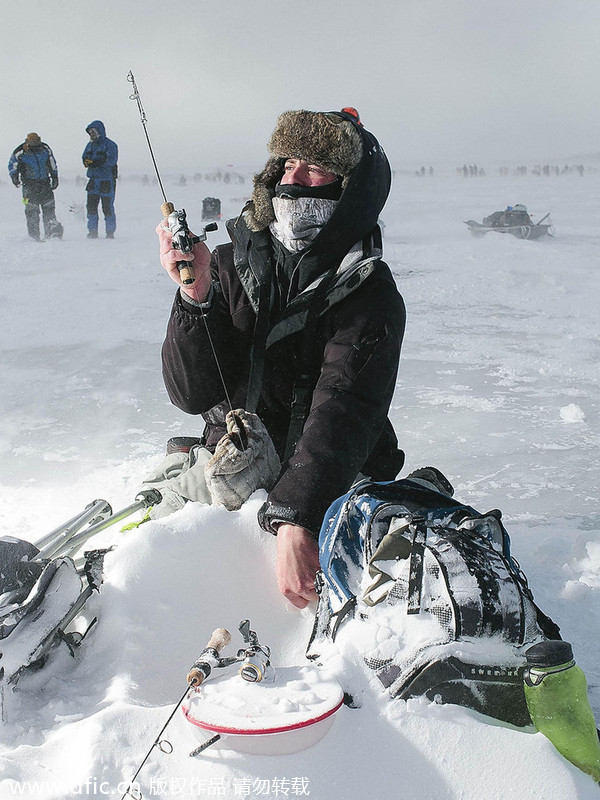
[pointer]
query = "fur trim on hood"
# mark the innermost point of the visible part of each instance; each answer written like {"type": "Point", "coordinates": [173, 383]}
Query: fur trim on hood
{"type": "Point", "coordinates": [329, 139]}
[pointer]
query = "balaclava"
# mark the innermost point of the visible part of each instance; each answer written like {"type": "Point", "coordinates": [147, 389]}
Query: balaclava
{"type": "Point", "coordinates": [301, 212]}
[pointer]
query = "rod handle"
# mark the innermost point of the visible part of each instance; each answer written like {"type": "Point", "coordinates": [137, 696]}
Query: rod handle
{"type": "Point", "coordinates": [186, 270]}
{"type": "Point", "coordinates": [209, 657]}
{"type": "Point", "coordinates": [186, 273]}
{"type": "Point", "coordinates": [219, 639]}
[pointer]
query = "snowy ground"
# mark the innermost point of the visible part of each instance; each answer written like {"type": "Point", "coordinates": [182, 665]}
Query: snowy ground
{"type": "Point", "coordinates": [498, 387]}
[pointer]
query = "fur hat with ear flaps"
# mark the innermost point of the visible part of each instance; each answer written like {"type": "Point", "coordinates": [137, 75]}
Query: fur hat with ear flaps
{"type": "Point", "coordinates": [338, 142]}
{"type": "Point", "coordinates": [330, 140]}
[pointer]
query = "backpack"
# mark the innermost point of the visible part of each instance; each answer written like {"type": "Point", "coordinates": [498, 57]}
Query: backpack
{"type": "Point", "coordinates": [429, 590]}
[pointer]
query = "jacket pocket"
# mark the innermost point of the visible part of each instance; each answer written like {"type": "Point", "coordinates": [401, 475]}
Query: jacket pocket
{"type": "Point", "coordinates": [360, 353]}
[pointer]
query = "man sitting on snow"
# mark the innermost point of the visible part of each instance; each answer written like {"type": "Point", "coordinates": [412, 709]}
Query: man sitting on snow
{"type": "Point", "coordinates": [300, 320]}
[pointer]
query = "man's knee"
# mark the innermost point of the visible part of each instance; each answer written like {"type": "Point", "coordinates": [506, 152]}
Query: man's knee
{"type": "Point", "coordinates": [107, 206]}
{"type": "Point", "coordinates": [92, 203]}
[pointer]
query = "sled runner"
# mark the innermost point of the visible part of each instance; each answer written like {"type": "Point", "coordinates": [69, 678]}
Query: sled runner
{"type": "Point", "coordinates": [44, 587]}
{"type": "Point", "coordinates": [520, 231]}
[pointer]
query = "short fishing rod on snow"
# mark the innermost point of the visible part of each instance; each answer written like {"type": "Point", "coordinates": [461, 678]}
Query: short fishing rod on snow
{"type": "Point", "coordinates": [176, 220]}
{"type": "Point", "coordinates": [255, 660]}
{"type": "Point", "coordinates": [208, 659]}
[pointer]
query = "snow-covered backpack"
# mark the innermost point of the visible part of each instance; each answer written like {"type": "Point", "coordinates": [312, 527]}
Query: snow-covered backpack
{"type": "Point", "coordinates": [426, 588]}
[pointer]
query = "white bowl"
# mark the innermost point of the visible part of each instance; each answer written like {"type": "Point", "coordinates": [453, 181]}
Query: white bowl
{"type": "Point", "coordinates": [285, 715]}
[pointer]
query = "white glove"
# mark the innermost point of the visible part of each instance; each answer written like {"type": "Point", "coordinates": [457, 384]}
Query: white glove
{"type": "Point", "coordinates": [179, 482]}
{"type": "Point", "coordinates": [244, 460]}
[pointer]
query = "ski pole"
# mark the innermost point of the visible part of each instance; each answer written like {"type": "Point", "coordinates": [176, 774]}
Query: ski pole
{"type": "Point", "coordinates": [97, 508]}
{"type": "Point", "coordinates": [176, 220]}
{"type": "Point", "coordinates": [199, 671]}
{"type": "Point", "coordinates": [145, 499]}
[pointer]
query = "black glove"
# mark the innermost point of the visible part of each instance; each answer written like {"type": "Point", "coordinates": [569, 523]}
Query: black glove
{"type": "Point", "coordinates": [15, 179]}
{"type": "Point", "coordinates": [54, 182]}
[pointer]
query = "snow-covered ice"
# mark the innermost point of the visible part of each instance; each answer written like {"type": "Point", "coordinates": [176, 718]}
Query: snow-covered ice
{"type": "Point", "coordinates": [498, 387]}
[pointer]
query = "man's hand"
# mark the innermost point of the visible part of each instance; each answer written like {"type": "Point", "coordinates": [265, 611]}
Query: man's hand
{"type": "Point", "coordinates": [200, 255]}
{"type": "Point", "coordinates": [15, 179]}
{"type": "Point", "coordinates": [297, 564]}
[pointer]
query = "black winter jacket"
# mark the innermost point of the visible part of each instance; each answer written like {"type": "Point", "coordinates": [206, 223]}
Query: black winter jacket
{"type": "Point", "coordinates": [357, 345]}
{"type": "Point", "coordinates": [354, 340]}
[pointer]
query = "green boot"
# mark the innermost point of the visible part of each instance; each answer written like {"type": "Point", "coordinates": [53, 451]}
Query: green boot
{"type": "Point", "coordinates": [556, 695]}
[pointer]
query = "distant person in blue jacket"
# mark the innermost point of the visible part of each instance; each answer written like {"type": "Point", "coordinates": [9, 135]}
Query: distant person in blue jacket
{"type": "Point", "coordinates": [100, 157]}
{"type": "Point", "coordinates": [32, 164]}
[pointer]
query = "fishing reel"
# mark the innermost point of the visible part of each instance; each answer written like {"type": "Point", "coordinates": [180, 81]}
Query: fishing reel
{"type": "Point", "coordinates": [182, 237]}
{"type": "Point", "coordinates": [256, 657]}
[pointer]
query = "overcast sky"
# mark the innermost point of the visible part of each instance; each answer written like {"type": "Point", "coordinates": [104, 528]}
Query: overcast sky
{"type": "Point", "coordinates": [437, 81]}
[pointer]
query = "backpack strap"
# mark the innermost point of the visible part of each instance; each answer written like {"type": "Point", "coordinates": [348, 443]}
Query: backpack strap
{"type": "Point", "coordinates": [260, 261]}
{"type": "Point", "coordinates": [311, 356]}
{"type": "Point", "coordinates": [322, 627]}
{"type": "Point", "coordinates": [415, 575]}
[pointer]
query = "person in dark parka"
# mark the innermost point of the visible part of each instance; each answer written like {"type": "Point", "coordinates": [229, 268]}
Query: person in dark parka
{"type": "Point", "coordinates": [100, 158]}
{"type": "Point", "coordinates": [307, 324]}
{"type": "Point", "coordinates": [33, 165]}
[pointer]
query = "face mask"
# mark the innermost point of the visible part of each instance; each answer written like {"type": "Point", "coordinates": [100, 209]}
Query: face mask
{"type": "Point", "coordinates": [299, 220]}
{"type": "Point", "coordinates": [327, 191]}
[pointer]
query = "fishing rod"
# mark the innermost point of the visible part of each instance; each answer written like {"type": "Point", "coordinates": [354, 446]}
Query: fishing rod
{"type": "Point", "coordinates": [182, 237]}
{"type": "Point", "coordinates": [176, 220]}
{"type": "Point", "coordinates": [256, 665]}
{"type": "Point", "coordinates": [200, 670]}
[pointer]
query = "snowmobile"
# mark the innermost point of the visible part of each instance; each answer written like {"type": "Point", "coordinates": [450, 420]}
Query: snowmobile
{"type": "Point", "coordinates": [514, 220]}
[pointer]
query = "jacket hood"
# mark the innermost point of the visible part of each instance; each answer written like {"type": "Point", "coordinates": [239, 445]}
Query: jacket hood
{"type": "Point", "coordinates": [357, 157]}
{"type": "Point", "coordinates": [32, 141]}
{"type": "Point", "coordinates": [99, 127]}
